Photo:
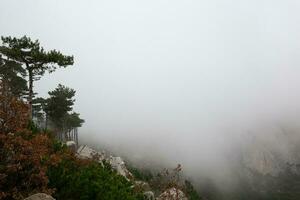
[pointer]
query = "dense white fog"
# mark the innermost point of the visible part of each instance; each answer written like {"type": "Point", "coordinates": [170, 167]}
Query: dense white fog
{"type": "Point", "coordinates": [169, 82]}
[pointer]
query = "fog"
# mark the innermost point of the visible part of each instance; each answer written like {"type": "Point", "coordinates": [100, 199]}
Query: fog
{"type": "Point", "coordinates": [166, 82]}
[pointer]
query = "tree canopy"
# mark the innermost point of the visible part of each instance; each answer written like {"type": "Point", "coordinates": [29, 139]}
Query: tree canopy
{"type": "Point", "coordinates": [58, 107]}
{"type": "Point", "coordinates": [33, 58]}
{"type": "Point", "coordinates": [12, 76]}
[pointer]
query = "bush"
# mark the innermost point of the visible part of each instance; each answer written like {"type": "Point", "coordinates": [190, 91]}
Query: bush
{"type": "Point", "coordinates": [85, 180]}
{"type": "Point", "coordinates": [23, 162]}
{"type": "Point", "coordinates": [140, 174]}
{"type": "Point", "coordinates": [190, 191]}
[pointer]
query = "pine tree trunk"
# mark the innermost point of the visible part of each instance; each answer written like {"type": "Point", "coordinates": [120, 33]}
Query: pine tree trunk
{"type": "Point", "coordinates": [46, 122]}
{"type": "Point", "coordinates": [30, 95]}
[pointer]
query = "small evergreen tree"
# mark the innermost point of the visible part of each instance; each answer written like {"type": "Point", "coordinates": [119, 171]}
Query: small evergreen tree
{"type": "Point", "coordinates": [58, 109]}
{"type": "Point", "coordinates": [59, 104]}
{"type": "Point", "coordinates": [72, 120]}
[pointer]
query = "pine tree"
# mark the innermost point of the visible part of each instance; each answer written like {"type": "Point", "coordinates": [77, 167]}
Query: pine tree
{"type": "Point", "coordinates": [12, 76]}
{"type": "Point", "coordinates": [35, 60]}
{"type": "Point", "coordinates": [58, 107]}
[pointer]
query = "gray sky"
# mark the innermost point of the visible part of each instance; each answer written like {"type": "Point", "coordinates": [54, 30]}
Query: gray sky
{"type": "Point", "coordinates": [178, 78]}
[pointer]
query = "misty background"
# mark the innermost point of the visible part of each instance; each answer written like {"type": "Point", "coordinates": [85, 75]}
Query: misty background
{"type": "Point", "coordinates": [170, 82]}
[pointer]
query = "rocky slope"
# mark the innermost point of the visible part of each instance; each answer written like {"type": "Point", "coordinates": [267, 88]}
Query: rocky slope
{"type": "Point", "coordinates": [118, 164]}
{"type": "Point", "coordinates": [271, 154]}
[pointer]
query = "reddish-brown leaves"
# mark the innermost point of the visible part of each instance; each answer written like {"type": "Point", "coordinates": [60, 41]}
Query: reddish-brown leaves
{"type": "Point", "coordinates": [22, 167]}
{"type": "Point", "coordinates": [13, 111]}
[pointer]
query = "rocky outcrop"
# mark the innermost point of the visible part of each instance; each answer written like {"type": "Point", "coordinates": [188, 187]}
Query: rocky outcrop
{"type": "Point", "coordinates": [72, 145]}
{"type": "Point", "coordinates": [40, 196]}
{"type": "Point", "coordinates": [142, 186]}
{"type": "Point", "coordinates": [119, 165]}
{"type": "Point", "coordinates": [264, 161]}
{"type": "Point", "coordinates": [149, 195]}
{"type": "Point", "coordinates": [270, 154]}
{"type": "Point", "coordinates": [172, 194]}
{"type": "Point", "coordinates": [85, 152]}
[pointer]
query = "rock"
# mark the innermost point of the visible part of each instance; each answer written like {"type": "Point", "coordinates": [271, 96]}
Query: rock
{"type": "Point", "coordinates": [149, 195]}
{"type": "Point", "coordinates": [172, 194]}
{"type": "Point", "coordinates": [119, 165]}
{"type": "Point", "coordinates": [85, 152]}
{"type": "Point", "coordinates": [40, 196]}
{"type": "Point", "coordinates": [269, 153]}
{"type": "Point", "coordinates": [72, 145]}
{"type": "Point", "coordinates": [142, 186]}
{"type": "Point", "coordinates": [265, 158]}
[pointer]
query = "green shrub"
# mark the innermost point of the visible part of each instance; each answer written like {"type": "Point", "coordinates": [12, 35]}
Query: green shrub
{"type": "Point", "coordinates": [89, 181]}
{"type": "Point", "coordinates": [33, 127]}
{"type": "Point", "coordinates": [140, 174]}
{"type": "Point", "coordinates": [191, 192]}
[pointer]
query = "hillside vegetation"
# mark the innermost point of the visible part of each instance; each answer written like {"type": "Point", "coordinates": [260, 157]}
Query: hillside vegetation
{"type": "Point", "coordinates": [31, 158]}
{"type": "Point", "coordinates": [33, 130]}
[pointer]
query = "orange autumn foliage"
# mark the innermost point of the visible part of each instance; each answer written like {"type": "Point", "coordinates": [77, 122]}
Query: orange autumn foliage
{"type": "Point", "coordinates": [24, 156]}
{"type": "Point", "coordinates": [13, 111]}
{"type": "Point", "coordinates": [22, 170]}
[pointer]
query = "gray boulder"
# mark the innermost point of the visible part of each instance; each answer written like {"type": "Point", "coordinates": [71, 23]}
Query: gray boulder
{"type": "Point", "coordinates": [119, 165]}
{"type": "Point", "coordinates": [72, 145]}
{"type": "Point", "coordinates": [142, 186]}
{"type": "Point", "coordinates": [85, 152]}
{"type": "Point", "coordinates": [172, 194]}
{"type": "Point", "coordinates": [40, 196]}
{"type": "Point", "coordinates": [149, 195]}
